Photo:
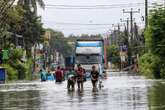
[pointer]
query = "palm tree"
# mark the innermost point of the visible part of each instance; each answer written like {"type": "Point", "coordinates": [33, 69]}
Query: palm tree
{"type": "Point", "coordinates": [4, 6]}
{"type": "Point", "coordinates": [32, 4]}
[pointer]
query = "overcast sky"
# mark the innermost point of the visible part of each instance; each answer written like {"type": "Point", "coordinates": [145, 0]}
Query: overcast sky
{"type": "Point", "coordinates": [77, 21]}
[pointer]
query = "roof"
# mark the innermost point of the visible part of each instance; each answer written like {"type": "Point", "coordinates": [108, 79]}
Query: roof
{"type": "Point", "coordinates": [89, 39]}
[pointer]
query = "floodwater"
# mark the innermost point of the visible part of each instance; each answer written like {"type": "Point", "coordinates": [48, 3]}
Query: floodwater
{"type": "Point", "coordinates": [121, 91]}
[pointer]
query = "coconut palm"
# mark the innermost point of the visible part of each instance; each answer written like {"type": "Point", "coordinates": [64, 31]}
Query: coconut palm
{"type": "Point", "coordinates": [32, 4]}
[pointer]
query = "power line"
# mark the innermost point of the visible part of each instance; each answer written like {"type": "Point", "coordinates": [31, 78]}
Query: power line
{"type": "Point", "coordinates": [131, 12]}
{"type": "Point", "coordinates": [93, 6]}
{"type": "Point", "coordinates": [69, 23]}
{"type": "Point", "coordinates": [83, 24]}
{"type": "Point", "coordinates": [99, 28]}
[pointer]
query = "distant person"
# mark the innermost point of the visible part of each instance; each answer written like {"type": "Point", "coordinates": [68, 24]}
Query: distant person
{"type": "Point", "coordinates": [42, 75]}
{"type": "Point", "coordinates": [71, 74]}
{"type": "Point", "coordinates": [94, 77]}
{"type": "Point", "coordinates": [80, 77]}
{"type": "Point", "coordinates": [63, 73]}
{"type": "Point", "coordinates": [59, 75]}
{"type": "Point", "coordinates": [49, 76]}
{"type": "Point", "coordinates": [85, 79]}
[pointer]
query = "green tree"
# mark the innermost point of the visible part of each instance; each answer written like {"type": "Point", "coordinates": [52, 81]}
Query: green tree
{"type": "Point", "coordinates": [59, 43]}
{"type": "Point", "coordinates": [32, 4]}
{"type": "Point", "coordinates": [155, 35]}
{"type": "Point", "coordinates": [113, 54]}
{"type": "Point", "coordinates": [155, 43]}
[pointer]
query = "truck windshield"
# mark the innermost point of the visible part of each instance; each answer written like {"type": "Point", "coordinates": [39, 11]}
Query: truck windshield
{"type": "Point", "coordinates": [88, 59]}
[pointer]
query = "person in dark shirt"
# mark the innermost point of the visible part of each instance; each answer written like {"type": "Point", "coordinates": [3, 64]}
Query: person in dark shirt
{"type": "Point", "coordinates": [94, 76]}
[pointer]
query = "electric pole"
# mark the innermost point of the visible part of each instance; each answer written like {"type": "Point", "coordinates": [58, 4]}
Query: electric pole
{"type": "Point", "coordinates": [117, 37]}
{"type": "Point", "coordinates": [127, 25]}
{"type": "Point", "coordinates": [146, 14]}
{"type": "Point", "coordinates": [131, 20]}
{"type": "Point", "coordinates": [131, 12]}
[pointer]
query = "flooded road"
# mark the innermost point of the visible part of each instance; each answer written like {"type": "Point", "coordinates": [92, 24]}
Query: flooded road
{"type": "Point", "coordinates": [120, 92]}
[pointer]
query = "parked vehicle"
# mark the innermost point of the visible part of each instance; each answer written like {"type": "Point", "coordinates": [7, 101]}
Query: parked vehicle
{"type": "Point", "coordinates": [89, 52]}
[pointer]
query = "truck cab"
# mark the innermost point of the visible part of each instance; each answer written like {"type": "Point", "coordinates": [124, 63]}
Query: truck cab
{"type": "Point", "coordinates": [89, 53]}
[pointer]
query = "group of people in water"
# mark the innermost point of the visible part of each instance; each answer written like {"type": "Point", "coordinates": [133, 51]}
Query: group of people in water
{"type": "Point", "coordinates": [74, 76]}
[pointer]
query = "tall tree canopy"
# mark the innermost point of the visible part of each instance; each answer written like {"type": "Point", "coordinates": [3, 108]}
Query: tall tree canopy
{"type": "Point", "coordinates": [32, 4]}
{"type": "Point", "coordinates": [59, 43]}
{"type": "Point", "coordinates": [155, 35]}
{"type": "Point", "coordinates": [153, 61]}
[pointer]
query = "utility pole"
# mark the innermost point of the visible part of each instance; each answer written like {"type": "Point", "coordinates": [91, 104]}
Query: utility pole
{"type": "Point", "coordinates": [131, 12]}
{"type": "Point", "coordinates": [146, 14]}
{"type": "Point", "coordinates": [127, 25]}
{"type": "Point", "coordinates": [131, 20]}
{"type": "Point", "coordinates": [118, 32]}
{"type": "Point", "coordinates": [136, 32]}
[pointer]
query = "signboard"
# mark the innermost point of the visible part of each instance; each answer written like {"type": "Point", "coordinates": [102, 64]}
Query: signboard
{"type": "Point", "coordinates": [123, 48]}
{"type": "Point", "coordinates": [2, 75]}
{"type": "Point", "coordinates": [88, 50]}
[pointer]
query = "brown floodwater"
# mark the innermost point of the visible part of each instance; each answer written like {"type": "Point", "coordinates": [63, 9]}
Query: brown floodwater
{"type": "Point", "coordinates": [121, 91]}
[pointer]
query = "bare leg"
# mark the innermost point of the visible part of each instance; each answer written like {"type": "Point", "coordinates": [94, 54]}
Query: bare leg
{"type": "Point", "coordinates": [82, 86]}
{"type": "Point", "coordinates": [78, 84]}
{"type": "Point", "coordinates": [73, 87]}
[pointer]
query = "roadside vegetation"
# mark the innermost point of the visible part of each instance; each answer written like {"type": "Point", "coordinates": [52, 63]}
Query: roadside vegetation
{"type": "Point", "coordinates": [152, 63]}
{"type": "Point", "coordinates": [113, 55]}
{"type": "Point", "coordinates": [20, 30]}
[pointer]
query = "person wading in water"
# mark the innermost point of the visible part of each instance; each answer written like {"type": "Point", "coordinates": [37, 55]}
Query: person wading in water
{"type": "Point", "coordinates": [58, 75]}
{"type": "Point", "coordinates": [80, 77]}
{"type": "Point", "coordinates": [94, 77]}
{"type": "Point", "coordinates": [71, 79]}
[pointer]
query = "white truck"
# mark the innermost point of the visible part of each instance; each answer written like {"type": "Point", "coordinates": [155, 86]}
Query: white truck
{"type": "Point", "coordinates": [89, 52]}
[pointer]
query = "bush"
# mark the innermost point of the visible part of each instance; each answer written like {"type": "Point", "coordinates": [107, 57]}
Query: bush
{"type": "Point", "coordinates": [16, 54]}
{"type": "Point", "coordinates": [21, 70]}
{"type": "Point", "coordinates": [113, 54]}
{"type": "Point", "coordinates": [149, 65]}
{"type": "Point", "coordinates": [28, 72]}
{"type": "Point", "coordinates": [162, 72]}
{"type": "Point", "coordinates": [16, 68]}
{"type": "Point", "coordinates": [12, 73]}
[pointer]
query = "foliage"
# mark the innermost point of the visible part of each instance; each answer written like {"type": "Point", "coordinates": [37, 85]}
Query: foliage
{"type": "Point", "coordinates": [113, 54]}
{"type": "Point", "coordinates": [12, 73]}
{"type": "Point", "coordinates": [16, 54]}
{"type": "Point", "coordinates": [16, 68]}
{"type": "Point", "coordinates": [31, 29]}
{"type": "Point", "coordinates": [20, 19]}
{"type": "Point", "coordinates": [152, 63]}
{"type": "Point", "coordinates": [32, 4]}
{"type": "Point", "coordinates": [58, 43]}
{"type": "Point", "coordinates": [162, 71]}
{"type": "Point", "coordinates": [155, 35]}
{"type": "Point", "coordinates": [149, 65]}
{"type": "Point", "coordinates": [28, 73]}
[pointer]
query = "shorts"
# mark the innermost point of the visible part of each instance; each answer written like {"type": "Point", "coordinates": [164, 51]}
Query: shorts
{"type": "Point", "coordinates": [58, 80]}
{"type": "Point", "coordinates": [80, 80]}
{"type": "Point", "coordinates": [94, 81]}
{"type": "Point", "coordinates": [71, 82]}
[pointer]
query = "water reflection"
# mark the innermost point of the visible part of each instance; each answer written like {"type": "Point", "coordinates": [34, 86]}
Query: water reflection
{"type": "Point", "coordinates": [18, 100]}
{"type": "Point", "coordinates": [156, 96]}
